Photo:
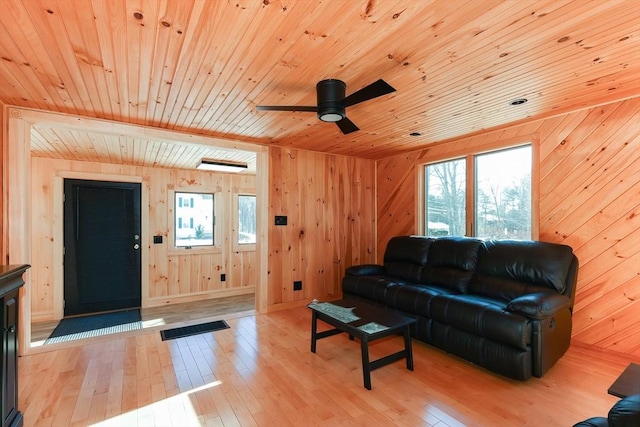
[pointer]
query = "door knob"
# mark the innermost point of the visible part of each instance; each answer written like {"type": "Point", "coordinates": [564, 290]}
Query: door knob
{"type": "Point", "coordinates": [136, 246]}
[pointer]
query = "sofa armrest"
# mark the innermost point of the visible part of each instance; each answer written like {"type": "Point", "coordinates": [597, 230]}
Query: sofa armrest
{"type": "Point", "coordinates": [626, 412]}
{"type": "Point", "coordinates": [366, 270]}
{"type": "Point", "coordinates": [538, 305]}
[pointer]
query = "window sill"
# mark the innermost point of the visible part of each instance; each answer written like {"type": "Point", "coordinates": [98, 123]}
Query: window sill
{"type": "Point", "coordinates": [195, 250]}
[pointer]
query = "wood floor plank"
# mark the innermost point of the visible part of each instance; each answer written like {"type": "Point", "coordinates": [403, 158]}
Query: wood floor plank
{"type": "Point", "coordinates": [260, 372]}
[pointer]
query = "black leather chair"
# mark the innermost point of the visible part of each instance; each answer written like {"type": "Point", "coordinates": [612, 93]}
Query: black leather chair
{"type": "Point", "coordinates": [625, 413]}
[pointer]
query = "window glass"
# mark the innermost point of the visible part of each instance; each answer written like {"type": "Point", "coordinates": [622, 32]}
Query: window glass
{"type": "Point", "coordinates": [445, 198]}
{"type": "Point", "coordinates": [194, 219]}
{"type": "Point", "coordinates": [246, 219]}
{"type": "Point", "coordinates": [503, 194]}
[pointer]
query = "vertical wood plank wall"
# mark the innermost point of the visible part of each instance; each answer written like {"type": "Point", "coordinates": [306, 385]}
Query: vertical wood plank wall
{"type": "Point", "coordinates": [172, 277]}
{"type": "Point", "coordinates": [589, 199]}
{"type": "Point", "coordinates": [329, 202]}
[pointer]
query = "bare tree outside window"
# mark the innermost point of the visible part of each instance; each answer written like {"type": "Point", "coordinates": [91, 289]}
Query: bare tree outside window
{"type": "Point", "coordinates": [445, 198]}
{"type": "Point", "coordinates": [502, 194]}
{"type": "Point", "coordinates": [246, 219]}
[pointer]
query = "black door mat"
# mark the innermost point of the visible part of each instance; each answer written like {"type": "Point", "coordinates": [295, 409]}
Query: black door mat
{"type": "Point", "coordinates": [185, 331]}
{"type": "Point", "coordinates": [75, 328]}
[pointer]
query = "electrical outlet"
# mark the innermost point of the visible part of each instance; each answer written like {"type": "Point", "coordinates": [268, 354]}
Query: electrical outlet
{"type": "Point", "coordinates": [281, 220]}
{"type": "Point", "coordinates": [157, 239]}
{"type": "Point", "coordinates": [297, 285]}
{"type": "Point", "coordinates": [223, 277]}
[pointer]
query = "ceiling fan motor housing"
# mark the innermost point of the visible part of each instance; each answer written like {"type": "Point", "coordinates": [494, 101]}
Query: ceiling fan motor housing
{"type": "Point", "coordinates": [331, 94]}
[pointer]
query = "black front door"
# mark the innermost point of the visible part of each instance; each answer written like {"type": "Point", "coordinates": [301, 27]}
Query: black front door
{"type": "Point", "coordinates": [101, 246]}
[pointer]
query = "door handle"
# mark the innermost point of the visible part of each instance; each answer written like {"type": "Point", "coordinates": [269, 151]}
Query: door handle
{"type": "Point", "coordinates": [136, 246]}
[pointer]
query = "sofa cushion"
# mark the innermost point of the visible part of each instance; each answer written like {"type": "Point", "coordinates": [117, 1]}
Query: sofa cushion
{"type": "Point", "coordinates": [406, 256]}
{"type": "Point", "coordinates": [413, 299]}
{"type": "Point", "coordinates": [404, 271]}
{"type": "Point", "coordinates": [484, 317]}
{"type": "Point", "coordinates": [412, 249]}
{"type": "Point", "coordinates": [370, 287]}
{"type": "Point", "coordinates": [535, 263]}
{"type": "Point", "coordinates": [365, 270]}
{"type": "Point", "coordinates": [539, 305]}
{"type": "Point", "coordinates": [454, 252]}
{"type": "Point", "coordinates": [503, 288]}
{"type": "Point", "coordinates": [451, 263]}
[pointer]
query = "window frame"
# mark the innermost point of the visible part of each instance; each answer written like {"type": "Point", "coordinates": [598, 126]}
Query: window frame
{"type": "Point", "coordinates": [242, 247]}
{"type": "Point", "coordinates": [217, 224]}
{"type": "Point", "coordinates": [470, 190]}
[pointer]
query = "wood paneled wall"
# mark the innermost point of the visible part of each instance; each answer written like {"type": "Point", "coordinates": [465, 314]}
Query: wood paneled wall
{"type": "Point", "coordinates": [171, 277]}
{"type": "Point", "coordinates": [589, 199]}
{"type": "Point", "coordinates": [329, 201]}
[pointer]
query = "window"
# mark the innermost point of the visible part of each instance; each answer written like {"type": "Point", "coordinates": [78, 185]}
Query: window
{"type": "Point", "coordinates": [503, 194]}
{"type": "Point", "coordinates": [445, 198]}
{"type": "Point", "coordinates": [194, 219]}
{"type": "Point", "coordinates": [246, 219]}
{"type": "Point", "coordinates": [500, 190]}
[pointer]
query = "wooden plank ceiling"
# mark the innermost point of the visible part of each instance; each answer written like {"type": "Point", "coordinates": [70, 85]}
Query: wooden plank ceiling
{"type": "Point", "coordinates": [203, 66]}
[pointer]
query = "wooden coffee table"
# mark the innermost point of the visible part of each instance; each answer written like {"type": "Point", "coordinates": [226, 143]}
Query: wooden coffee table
{"type": "Point", "coordinates": [367, 323]}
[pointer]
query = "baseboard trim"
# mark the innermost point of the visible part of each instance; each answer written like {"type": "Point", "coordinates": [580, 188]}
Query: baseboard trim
{"type": "Point", "coordinates": [221, 293]}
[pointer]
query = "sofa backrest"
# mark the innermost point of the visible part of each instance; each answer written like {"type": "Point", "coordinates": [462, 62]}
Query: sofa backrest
{"type": "Point", "coordinates": [446, 261]}
{"type": "Point", "coordinates": [406, 256]}
{"type": "Point", "coordinates": [502, 269]}
{"type": "Point", "coordinates": [508, 269]}
{"type": "Point", "coordinates": [451, 262]}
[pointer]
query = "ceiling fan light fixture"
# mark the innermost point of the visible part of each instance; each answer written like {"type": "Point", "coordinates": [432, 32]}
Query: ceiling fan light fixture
{"type": "Point", "coordinates": [331, 115]}
{"type": "Point", "coordinates": [330, 95]}
{"type": "Point", "coordinates": [332, 102]}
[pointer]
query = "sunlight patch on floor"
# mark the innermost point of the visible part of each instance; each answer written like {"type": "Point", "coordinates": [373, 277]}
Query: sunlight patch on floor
{"type": "Point", "coordinates": [174, 410]}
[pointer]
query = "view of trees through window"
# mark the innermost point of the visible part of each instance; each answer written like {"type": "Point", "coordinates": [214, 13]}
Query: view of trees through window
{"type": "Point", "coordinates": [246, 219]}
{"type": "Point", "coordinates": [502, 194]}
{"type": "Point", "coordinates": [193, 219]}
{"type": "Point", "coordinates": [446, 198]}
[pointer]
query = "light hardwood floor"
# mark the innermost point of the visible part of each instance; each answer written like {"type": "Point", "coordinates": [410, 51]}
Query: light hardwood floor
{"type": "Point", "coordinates": [162, 317]}
{"type": "Point", "coordinates": [260, 372]}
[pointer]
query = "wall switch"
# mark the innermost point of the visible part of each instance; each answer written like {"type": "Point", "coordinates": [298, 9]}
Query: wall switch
{"type": "Point", "coordinates": [297, 285]}
{"type": "Point", "coordinates": [157, 239]}
{"type": "Point", "coordinates": [223, 277]}
{"type": "Point", "coordinates": [281, 220]}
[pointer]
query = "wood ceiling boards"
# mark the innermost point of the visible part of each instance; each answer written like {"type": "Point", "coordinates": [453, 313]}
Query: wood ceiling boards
{"type": "Point", "coordinates": [201, 67]}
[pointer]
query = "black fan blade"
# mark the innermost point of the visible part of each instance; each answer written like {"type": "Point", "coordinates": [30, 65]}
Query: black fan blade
{"type": "Point", "coordinates": [347, 126]}
{"type": "Point", "coordinates": [374, 90]}
{"type": "Point", "coordinates": [286, 108]}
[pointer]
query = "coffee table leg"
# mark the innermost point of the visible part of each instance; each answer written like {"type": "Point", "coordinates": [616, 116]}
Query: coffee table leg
{"type": "Point", "coordinates": [408, 348]}
{"type": "Point", "coordinates": [314, 328]}
{"type": "Point", "coordinates": [366, 368]}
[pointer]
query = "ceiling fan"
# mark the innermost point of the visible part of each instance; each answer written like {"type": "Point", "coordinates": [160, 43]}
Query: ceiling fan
{"type": "Point", "coordinates": [332, 102]}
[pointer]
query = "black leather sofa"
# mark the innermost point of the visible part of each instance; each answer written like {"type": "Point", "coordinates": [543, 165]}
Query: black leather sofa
{"type": "Point", "coordinates": [625, 413]}
{"type": "Point", "coordinates": [505, 305]}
